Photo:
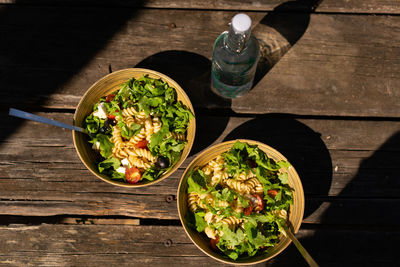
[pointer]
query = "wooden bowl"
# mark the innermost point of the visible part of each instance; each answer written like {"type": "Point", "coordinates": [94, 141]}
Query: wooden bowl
{"type": "Point", "coordinates": [202, 241]}
{"type": "Point", "coordinates": [105, 86]}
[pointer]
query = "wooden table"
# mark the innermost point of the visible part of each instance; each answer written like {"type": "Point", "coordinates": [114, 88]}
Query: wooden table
{"type": "Point", "coordinates": [330, 102]}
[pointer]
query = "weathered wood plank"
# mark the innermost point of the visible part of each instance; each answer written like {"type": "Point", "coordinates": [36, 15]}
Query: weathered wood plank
{"type": "Point", "coordinates": [343, 65]}
{"type": "Point", "coordinates": [345, 165]}
{"type": "Point", "coordinates": [66, 245]}
{"type": "Point", "coordinates": [342, 148]}
{"type": "Point", "coordinates": [345, 6]}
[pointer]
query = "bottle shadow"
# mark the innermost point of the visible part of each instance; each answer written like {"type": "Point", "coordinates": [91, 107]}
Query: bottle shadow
{"type": "Point", "coordinates": [192, 72]}
{"type": "Point", "coordinates": [279, 30]}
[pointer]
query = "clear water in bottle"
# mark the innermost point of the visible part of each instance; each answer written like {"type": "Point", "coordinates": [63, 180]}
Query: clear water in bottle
{"type": "Point", "coordinates": [234, 62]}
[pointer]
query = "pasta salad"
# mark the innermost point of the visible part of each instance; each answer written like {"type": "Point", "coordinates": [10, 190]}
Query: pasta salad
{"type": "Point", "coordinates": [139, 131]}
{"type": "Point", "coordinates": [240, 200]}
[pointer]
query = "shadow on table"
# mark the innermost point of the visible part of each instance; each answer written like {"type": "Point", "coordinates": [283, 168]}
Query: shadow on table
{"type": "Point", "coordinates": [279, 30]}
{"type": "Point", "coordinates": [361, 223]}
{"type": "Point", "coordinates": [44, 46]}
{"type": "Point", "coordinates": [374, 239]}
{"type": "Point", "coordinates": [192, 72]}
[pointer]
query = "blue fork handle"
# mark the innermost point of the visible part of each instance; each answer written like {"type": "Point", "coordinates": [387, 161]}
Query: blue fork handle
{"type": "Point", "coordinates": [29, 116]}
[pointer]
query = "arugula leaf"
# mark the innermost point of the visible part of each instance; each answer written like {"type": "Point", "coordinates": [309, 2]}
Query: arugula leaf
{"type": "Point", "coordinates": [233, 255]}
{"type": "Point", "coordinates": [157, 138]}
{"type": "Point", "coordinates": [170, 95]}
{"type": "Point", "coordinates": [201, 224]}
{"type": "Point", "coordinates": [283, 164]}
{"type": "Point", "coordinates": [194, 187]}
{"type": "Point", "coordinates": [109, 163]}
{"type": "Point", "coordinates": [127, 132]}
{"type": "Point", "coordinates": [123, 94]}
{"type": "Point", "coordinates": [105, 144]}
{"type": "Point", "coordinates": [262, 177]}
{"type": "Point", "coordinates": [152, 173]}
{"type": "Point", "coordinates": [243, 201]}
{"type": "Point", "coordinates": [156, 89]}
{"type": "Point", "coordinates": [231, 238]}
{"type": "Point", "coordinates": [283, 177]}
{"type": "Point", "coordinates": [239, 145]}
{"type": "Point", "coordinates": [260, 240]}
{"type": "Point", "coordinates": [117, 176]}
{"type": "Point", "coordinates": [268, 164]}
{"type": "Point", "coordinates": [227, 195]}
{"type": "Point", "coordinates": [91, 124]}
{"type": "Point", "coordinates": [199, 178]}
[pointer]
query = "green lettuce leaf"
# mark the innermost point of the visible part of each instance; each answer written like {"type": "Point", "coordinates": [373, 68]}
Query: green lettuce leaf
{"type": "Point", "coordinates": [283, 177]}
{"type": "Point", "coordinates": [113, 163]}
{"type": "Point", "coordinates": [91, 124]}
{"type": "Point", "coordinates": [106, 145]}
{"type": "Point", "coordinates": [201, 224]}
{"type": "Point", "coordinates": [128, 132]}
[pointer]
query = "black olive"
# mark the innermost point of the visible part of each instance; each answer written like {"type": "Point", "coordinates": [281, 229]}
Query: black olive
{"type": "Point", "coordinates": [109, 122]}
{"type": "Point", "coordinates": [113, 122]}
{"type": "Point", "coordinates": [162, 162]}
{"type": "Point", "coordinates": [103, 130]}
{"type": "Point", "coordinates": [219, 187]}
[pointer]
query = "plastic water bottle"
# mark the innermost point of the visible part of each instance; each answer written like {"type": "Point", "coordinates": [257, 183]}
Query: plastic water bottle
{"type": "Point", "coordinates": [234, 61]}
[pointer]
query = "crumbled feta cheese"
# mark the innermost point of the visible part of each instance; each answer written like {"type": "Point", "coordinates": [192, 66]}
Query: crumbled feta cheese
{"type": "Point", "coordinates": [96, 146]}
{"type": "Point", "coordinates": [121, 170]}
{"type": "Point", "coordinates": [125, 162]}
{"type": "Point", "coordinates": [101, 111]}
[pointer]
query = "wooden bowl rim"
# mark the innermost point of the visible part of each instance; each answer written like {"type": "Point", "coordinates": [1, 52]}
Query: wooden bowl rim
{"type": "Point", "coordinates": [182, 95]}
{"type": "Point", "coordinates": [293, 179]}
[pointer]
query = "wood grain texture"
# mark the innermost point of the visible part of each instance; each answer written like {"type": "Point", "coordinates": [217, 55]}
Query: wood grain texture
{"type": "Point", "coordinates": [341, 60]}
{"type": "Point", "coordinates": [341, 65]}
{"type": "Point", "coordinates": [345, 6]}
{"type": "Point", "coordinates": [345, 166]}
{"type": "Point", "coordinates": [96, 245]}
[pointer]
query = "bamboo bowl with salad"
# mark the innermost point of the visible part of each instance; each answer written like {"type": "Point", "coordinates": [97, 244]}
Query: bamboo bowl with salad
{"type": "Point", "coordinates": [140, 126]}
{"type": "Point", "coordinates": [235, 199]}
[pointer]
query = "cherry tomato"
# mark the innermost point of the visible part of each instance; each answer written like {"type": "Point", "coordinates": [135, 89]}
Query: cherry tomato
{"type": "Point", "coordinates": [214, 242]}
{"type": "Point", "coordinates": [142, 144]}
{"type": "Point", "coordinates": [248, 210]}
{"type": "Point", "coordinates": [272, 193]}
{"type": "Point", "coordinates": [132, 175]}
{"type": "Point", "coordinates": [110, 97]}
{"type": "Point", "coordinates": [111, 117]}
{"type": "Point", "coordinates": [258, 203]}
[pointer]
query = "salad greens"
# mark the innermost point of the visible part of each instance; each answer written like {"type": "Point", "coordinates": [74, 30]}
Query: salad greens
{"type": "Point", "coordinates": [152, 97]}
{"type": "Point", "coordinates": [257, 221]}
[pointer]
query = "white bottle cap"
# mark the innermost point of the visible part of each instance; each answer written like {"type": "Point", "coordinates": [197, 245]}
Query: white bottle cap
{"type": "Point", "coordinates": [241, 23]}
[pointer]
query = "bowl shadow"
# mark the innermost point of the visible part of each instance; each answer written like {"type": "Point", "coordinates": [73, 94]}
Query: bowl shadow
{"type": "Point", "coordinates": [302, 146]}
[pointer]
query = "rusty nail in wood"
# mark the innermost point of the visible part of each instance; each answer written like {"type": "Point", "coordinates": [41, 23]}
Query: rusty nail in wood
{"type": "Point", "coordinates": [172, 25]}
{"type": "Point", "coordinates": [169, 198]}
{"type": "Point", "coordinates": [168, 243]}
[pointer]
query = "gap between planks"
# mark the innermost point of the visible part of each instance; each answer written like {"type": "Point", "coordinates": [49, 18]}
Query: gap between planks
{"type": "Point", "coordinates": [227, 112]}
{"type": "Point", "coordinates": [85, 220]}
